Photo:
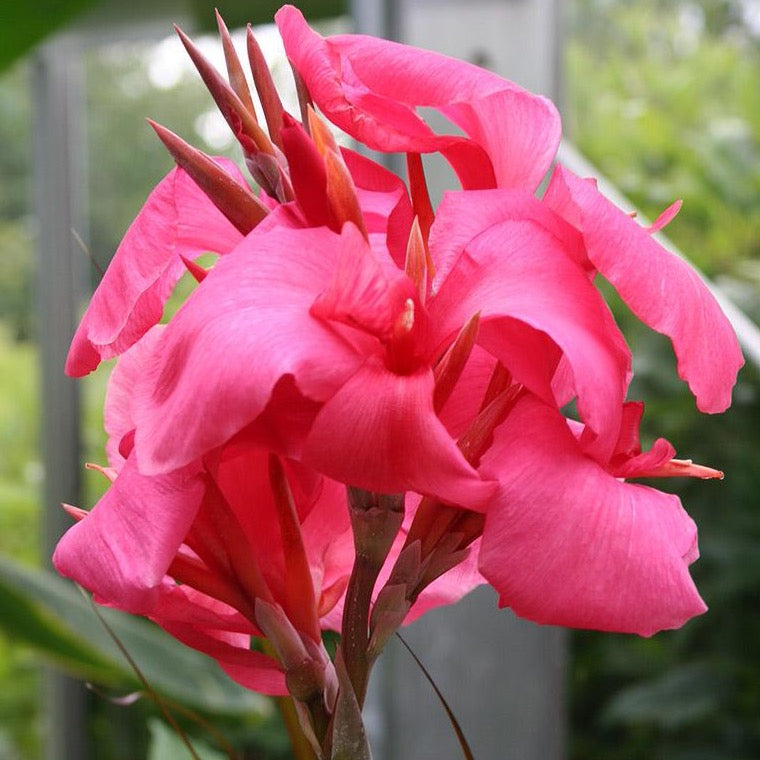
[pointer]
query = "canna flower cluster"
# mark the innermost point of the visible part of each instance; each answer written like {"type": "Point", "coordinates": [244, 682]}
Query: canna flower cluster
{"type": "Point", "coordinates": [360, 411]}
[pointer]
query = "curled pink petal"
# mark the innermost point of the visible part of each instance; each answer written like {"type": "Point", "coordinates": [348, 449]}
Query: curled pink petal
{"type": "Point", "coordinates": [566, 543]}
{"type": "Point", "coordinates": [118, 418]}
{"type": "Point", "coordinates": [371, 89]}
{"type": "Point", "coordinates": [177, 221]}
{"type": "Point", "coordinates": [251, 669]}
{"type": "Point", "coordinates": [384, 202]}
{"type": "Point", "coordinates": [122, 550]}
{"type": "Point", "coordinates": [517, 275]}
{"type": "Point", "coordinates": [660, 288]}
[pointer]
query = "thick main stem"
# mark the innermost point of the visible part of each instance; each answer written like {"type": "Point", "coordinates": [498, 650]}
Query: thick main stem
{"type": "Point", "coordinates": [375, 519]}
{"type": "Point", "coordinates": [355, 630]}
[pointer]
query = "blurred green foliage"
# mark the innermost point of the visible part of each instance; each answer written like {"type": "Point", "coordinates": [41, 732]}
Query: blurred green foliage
{"type": "Point", "coordinates": [25, 24]}
{"type": "Point", "coordinates": [664, 97]}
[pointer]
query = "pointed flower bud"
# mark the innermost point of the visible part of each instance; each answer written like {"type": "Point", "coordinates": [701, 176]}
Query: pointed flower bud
{"type": "Point", "coordinates": [268, 96]}
{"type": "Point", "coordinates": [237, 203]}
{"type": "Point", "coordinates": [242, 121]}
{"type": "Point", "coordinates": [235, 72]}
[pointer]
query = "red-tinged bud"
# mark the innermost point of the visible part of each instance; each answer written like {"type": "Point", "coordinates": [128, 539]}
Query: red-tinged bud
{"type": "Point", "coordinates": [268, 173]}
{"type": "Point", "coordinates": [304, 674]}
{"type": "Point", "coordinates": [218, 538]}
{"type": "Point", "coordinates": [76, 512]}
{"type": "Point", "coordinates": [421, 204]}
{"type": "Point", "coordinates": [197, 272]}
{"type": "Point", "coordinates": [449, 369]}
{"type": "Point", "coordinates": [341, 193]}
{"type": "Point", "coordinates": [308, 174]}
{"type": "Point", "coordinates": [321, 133]}
{"type": "Point", "coordinates": [242, 122]}
{"type": "Point", "coordinates": [237, 203]}
{"type": "Point", "coordinates": [339, 185]}
{"type": "Point", "coordinates": [501, 379]}
{"type": "Point", "coordinates": [409, 561]}
{"type": "Point", "coordinates": [388, 613]}
{"type": "Point", "coordinates": [300, 602]}
{"type": "Point", "coordinates": [478, 437]}
{"type": "Point", "coordinates": [287, 186]}
{"type": "Point", "coordinates": [433, 522]}
{"type": "Point", "coordinates": [304, 99]}
{"type": "Point", "coordinates": [416, 265]}
{"type": "Point", "coordinates": [234, 67]}
{"type": "Point", "coordinates": [445, 555]}
{"type": "Point", "coordinates": [470, 526]}
{"type": "Point", "coordinates": [268, 96]}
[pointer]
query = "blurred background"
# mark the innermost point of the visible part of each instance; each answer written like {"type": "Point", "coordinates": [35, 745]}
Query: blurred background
{"type": "Point", "coordinates": [662, 97]}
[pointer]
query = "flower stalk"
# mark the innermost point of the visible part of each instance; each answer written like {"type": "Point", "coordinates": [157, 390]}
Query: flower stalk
{"type": "Point", "coordinates": [376, 520]}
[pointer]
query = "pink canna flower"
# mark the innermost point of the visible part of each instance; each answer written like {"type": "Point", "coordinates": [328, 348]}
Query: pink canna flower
{"type": "Point", "coordinates": [351, 335]}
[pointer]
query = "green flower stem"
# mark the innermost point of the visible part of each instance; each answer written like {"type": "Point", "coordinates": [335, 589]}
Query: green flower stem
{"type": "Point", "coordinates": [376, 520]}
{"type": "Point", "coordinates": [299, 744]}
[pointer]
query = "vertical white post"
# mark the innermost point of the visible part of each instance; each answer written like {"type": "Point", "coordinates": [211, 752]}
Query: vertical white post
{"type": "Point", "coordinates": [59, 193]}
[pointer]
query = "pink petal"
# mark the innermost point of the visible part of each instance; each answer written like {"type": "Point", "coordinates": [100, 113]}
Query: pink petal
{"type": "Point", "coordinates": [660, 288]}
{"type": "Point", "coordinates": [461, 217]}
{"type": "Point", "coordinates": [565, 543]}
{"type": "Point", "coordinates": [527, 290]}
{"type": "Point", "coordinates": [329, 544]}
{"type": "Point", "coordinates": [384, 202]}
{"type": "Point", "coordinates": [628, 461]}
{"type": "Point", "coordinates": [254, 670]}
{"type": "Point", "coordinates": [370, 88]}
{"type": "Point", "coordinates": [245, 327]}
{"type": "Point", "coordinates": [118, 419]}
{"type": "Point", "coordinates": [184, 605]}
{"type": "Point", "coordinates": [243, 478]}
{"type": "Point", "coordinates": [177, 220]}
{"type": "Point", "coordinates": [123, 548]}
{"type": "Point", "coordinates": [466, 400]}
{"type": "Point", "coordinates": [379, 432]}
{"type": "Point", "coordinates": [284, 423]}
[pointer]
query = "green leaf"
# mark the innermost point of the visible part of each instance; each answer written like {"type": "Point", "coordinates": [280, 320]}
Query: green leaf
{"type": "Point", "coordinates": [166, 745]}
{"type": "Point", "coordinates": [26, 24]}
{"type": "Point", "coordinates": [25, 621]}
{"type": "Point", "coordinates": [53, 616]}
{"type": "Point", "coordinates": [683, 696]}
